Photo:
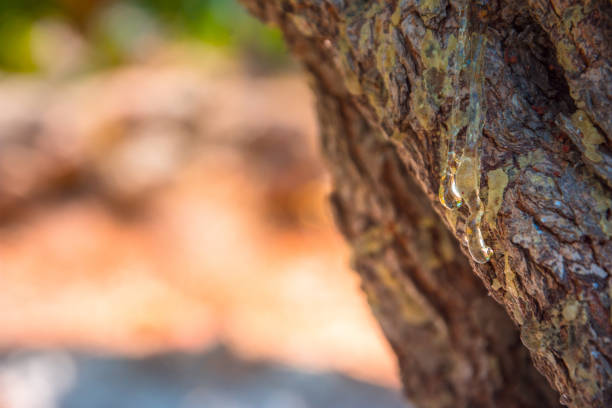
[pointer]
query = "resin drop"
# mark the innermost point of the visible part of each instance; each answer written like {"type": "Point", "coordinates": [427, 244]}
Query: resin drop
{"type": "Point", "coordinates": [460, 181]}
{"type": "Point", "coordinates": [449, 194]}
{"type": "Point", "coordinates": [469, 163]}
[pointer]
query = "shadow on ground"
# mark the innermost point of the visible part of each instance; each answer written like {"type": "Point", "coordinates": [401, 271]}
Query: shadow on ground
{"type": "Point", "coordinates": [214, 379]}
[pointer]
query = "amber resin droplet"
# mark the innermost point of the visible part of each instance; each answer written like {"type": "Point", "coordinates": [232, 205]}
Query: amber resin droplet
{"type": "Point", "coordinates": [468, 171]}
{"type": "Point", "coordinates": [448, 194]}
{"type": "Point", "coordinates": [460, 179]}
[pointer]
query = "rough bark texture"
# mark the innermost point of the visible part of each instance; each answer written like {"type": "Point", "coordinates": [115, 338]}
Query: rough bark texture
{"type": "Point", "coordinates": [380, 72]}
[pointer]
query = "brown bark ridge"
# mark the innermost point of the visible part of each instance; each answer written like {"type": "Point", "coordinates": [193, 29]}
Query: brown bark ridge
{"type": "Point", "coordinates": [379, 69]}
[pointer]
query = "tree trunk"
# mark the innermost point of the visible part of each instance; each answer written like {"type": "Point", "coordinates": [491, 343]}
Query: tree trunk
{"type": "Point", "coordinates": [381, 73]}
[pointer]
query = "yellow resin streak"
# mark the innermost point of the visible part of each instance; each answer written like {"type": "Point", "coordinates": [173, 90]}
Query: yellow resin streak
{"type": "Point", "coordinates": [449, 194]}
{"type": "Point", "coordinates": [460, 182]}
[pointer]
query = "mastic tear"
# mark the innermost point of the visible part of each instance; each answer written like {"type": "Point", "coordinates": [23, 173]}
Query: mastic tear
{"type": "Point", "coordinates": [460, 181]}
{"type": "Point", "coordinates": [448, 194]}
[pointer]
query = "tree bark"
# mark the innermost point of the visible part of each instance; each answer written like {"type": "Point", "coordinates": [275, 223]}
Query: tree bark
{"type": "Point", "coordinates": [380, 71]}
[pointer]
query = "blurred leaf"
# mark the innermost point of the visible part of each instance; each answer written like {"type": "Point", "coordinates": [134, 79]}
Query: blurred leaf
{"type": "Point", "coordinates": [221, 23]}
{"type": "Point", "coordinates": [16, 47]}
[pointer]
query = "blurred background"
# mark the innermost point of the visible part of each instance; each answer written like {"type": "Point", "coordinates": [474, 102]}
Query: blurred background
{"type": "Point", "coordinates": [165, 239]}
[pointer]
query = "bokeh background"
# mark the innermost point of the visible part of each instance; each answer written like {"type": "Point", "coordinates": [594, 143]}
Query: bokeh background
{"type": "Point", "coordinates": [165, 239]}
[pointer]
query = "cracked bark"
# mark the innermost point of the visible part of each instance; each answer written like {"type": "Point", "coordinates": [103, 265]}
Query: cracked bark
{"type": "Point", "coordinates": [379, 71]}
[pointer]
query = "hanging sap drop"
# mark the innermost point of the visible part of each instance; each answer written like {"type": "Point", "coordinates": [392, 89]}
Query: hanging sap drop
{"type": "Point", "coordinates": [448, 194]}
{"type": "Point", "coordinates": [479, 251]}
{"type": "Point", "coordinates": [468, 171]}
{"type": "Point", "coordinates": [460, 180]}
{"type": "Point", "coordinates": [468, 182]}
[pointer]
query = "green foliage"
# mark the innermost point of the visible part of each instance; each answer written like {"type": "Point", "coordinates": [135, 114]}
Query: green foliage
{"type": "Point", "coordinates": [16, 19]}
{"type": "Point", "coordinates": [112, 28]}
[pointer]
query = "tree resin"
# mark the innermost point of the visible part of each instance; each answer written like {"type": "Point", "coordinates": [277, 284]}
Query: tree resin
{"type": "Point", "coordinates": [449, 195]}
{"type": "Point", "coordinates": [460, 182]}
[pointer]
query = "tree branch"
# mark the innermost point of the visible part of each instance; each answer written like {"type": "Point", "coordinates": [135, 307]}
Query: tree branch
{"type": "Point", "coordinates": [380, 72]}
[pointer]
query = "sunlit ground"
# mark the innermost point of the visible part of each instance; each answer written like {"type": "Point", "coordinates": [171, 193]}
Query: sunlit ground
{"type": "Point", "coordinates": [173, 204]}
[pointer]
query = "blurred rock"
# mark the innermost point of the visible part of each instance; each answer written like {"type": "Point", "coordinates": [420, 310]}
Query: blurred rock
{"type": "Point", "coordinates": [143, 157]}
{"type": "Point", "coordinates": [125, 133]}
{"type": "Point", "coordinates": [173, 205]}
